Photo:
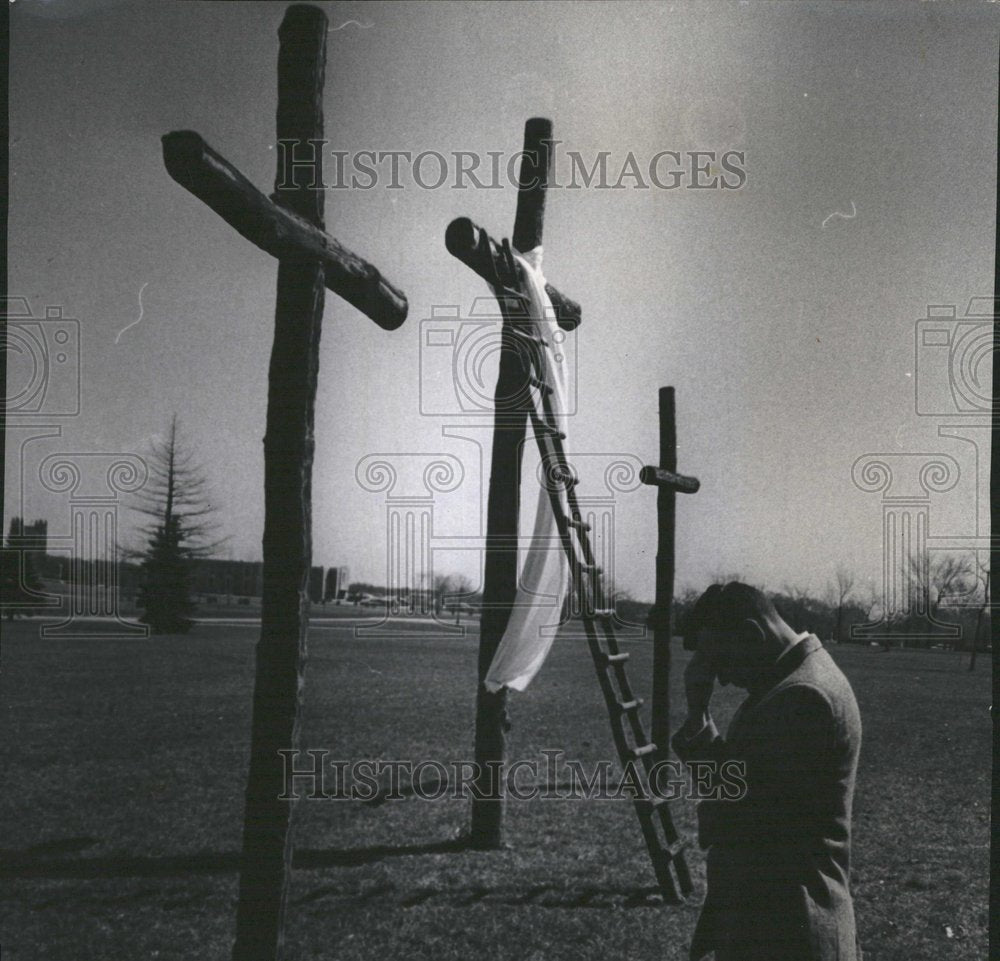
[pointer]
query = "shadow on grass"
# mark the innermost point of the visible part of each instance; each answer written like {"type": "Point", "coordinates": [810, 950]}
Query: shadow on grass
{"type": "Point", "coordinates": [36, 861]}
{"type": "Point", "coordinates": [512, 895]}
{"type": "Point", "coordinates": [435, 788]}
{"type": "Point", "coordinates": [48, 861]}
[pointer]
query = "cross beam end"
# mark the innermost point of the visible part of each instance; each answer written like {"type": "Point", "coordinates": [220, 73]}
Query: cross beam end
{"type": "Point", "coordinates": [658, 477]}
{"type": "Point", "coordinates": [479, 251]}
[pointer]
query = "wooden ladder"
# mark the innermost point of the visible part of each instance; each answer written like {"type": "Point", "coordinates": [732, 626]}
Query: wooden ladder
{"type": "Point", "coordinates": [665, 846]}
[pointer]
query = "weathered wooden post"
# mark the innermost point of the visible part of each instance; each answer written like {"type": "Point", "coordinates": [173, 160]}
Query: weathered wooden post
{"type": "Point", "coordinates": [994, 574]}
{"type": "Point", "coordinates": [287, 543]}
{"type": "Point", "coordinates": [288, 225]}
{"type": "Point", "coordinates": [476, 249]}
{"type": "Point", "coordinates": [668, 482]}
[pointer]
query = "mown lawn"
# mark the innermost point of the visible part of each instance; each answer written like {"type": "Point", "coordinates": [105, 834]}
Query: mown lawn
{"type": "Point", "coordinates": [124, 770]}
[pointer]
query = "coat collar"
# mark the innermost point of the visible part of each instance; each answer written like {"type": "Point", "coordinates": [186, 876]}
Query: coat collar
{"type": "Point", "coordinates": [786, 663]}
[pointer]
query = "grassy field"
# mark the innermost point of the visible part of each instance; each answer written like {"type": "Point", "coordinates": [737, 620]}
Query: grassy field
{"type": "Point", "coordinates": [124, 767]}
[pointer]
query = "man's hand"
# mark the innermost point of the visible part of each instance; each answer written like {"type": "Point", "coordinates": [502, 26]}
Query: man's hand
{"type": "Point", "coordinates": [699, 679]}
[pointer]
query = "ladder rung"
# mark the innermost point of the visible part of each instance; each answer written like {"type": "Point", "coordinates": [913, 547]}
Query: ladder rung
{"type": "Point", "coordinates": [679, 846]}
{"type": "Point", "coordinates": [620, 658]}
{"type": "Point", "coordinates": [675, 851]}
{"type": "Point", "coordinates": [633, 705]}
{"type": "Point", "coordinates": [668, 863]}
{"type": "Point", "coordinates": [511, 292]}
{"type": "Point", "coordinates": [550, 429]}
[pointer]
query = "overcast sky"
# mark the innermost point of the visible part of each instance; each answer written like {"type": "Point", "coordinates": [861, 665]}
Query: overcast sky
{"type": "Point", "coordinates": [788, 333]}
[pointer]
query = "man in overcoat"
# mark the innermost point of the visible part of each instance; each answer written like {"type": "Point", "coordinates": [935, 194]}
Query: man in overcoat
{"type": "Point", "coordinates": [779, 854]}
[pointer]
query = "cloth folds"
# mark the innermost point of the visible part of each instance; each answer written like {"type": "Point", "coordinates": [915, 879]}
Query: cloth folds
{"type": "Point", "coordinates": [544, 579]}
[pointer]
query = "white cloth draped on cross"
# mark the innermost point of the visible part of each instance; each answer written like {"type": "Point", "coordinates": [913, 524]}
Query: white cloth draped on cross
{"type": "Point", "coordinates": [544, 579]}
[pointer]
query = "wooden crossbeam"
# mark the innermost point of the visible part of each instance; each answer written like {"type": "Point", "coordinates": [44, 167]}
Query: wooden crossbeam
{"type": "Point", "coordinates": [266, 222]}
{"type": "Point", "coordinates": [658, 477]}
{"type": "Point", "coordinates": [479, 251]}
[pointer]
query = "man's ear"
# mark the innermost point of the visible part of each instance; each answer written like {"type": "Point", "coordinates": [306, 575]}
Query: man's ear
{"type": "Point", "coordinates": [753, 630]}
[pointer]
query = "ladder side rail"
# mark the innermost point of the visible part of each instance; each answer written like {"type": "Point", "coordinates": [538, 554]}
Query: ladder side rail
{"type": "Point", "coordinates": [612, 676]}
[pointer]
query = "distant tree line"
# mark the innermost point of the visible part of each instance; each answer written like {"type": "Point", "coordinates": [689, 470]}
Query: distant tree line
{"type": "Point", "coordinates": [948, 605]}
{"type": "Point", "coordinates": [447, 593]}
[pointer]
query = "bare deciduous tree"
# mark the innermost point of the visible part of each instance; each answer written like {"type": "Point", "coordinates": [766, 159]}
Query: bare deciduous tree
{"type": "Point", "coordinates": [460, 587]}
{"type": "Point", "coordinates": [871, 600]}
{"type": "Point", "coordinates": [442, 585]}
{"type": "Point", "coordinates": [939, 577]}
{"type": "Point", "coordinates": [843, 589]}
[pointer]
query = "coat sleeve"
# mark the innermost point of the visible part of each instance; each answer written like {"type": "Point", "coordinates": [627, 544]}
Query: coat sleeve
{"type": "Point", "coordinates": [785, 756]}
{"type": "Point", "coordinates": [706, 744]}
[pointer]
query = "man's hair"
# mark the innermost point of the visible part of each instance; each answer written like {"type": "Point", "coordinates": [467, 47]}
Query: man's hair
{"type": "Point", "coordinates": [724, 607]}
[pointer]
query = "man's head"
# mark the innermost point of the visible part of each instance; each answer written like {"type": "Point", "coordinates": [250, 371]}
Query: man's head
{"type": "Point", "coordinates": [739, 630]}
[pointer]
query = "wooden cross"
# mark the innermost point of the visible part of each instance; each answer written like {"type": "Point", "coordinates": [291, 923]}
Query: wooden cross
{"type": "Point", "coordinates": [289, 225]}
{"type": "Point", "coordinates": [475, 248]}
{"type": "Point", "coordinates": [668, 483]}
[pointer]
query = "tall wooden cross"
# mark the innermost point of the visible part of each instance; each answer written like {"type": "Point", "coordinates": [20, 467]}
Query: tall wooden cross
{"type": "Point", "coordinates": [475, 248]}
{"type": "Point", "coordinates": [668, 483]}
{"type": "Point", "coordinates": [289, 225]}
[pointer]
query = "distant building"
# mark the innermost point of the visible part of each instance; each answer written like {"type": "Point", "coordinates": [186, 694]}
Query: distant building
{"type": "Point", "coordinates": [31, 538]}
{"type": "Point", "coordinates": [335, 588]}
{"type": "Point", "coordinates": [223, 578]}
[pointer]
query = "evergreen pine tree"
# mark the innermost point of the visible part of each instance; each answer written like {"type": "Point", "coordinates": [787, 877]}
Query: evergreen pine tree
{"type": "Point", "coordinates": [177, 535]}
{"type": "Point", "coordinates": [165, 584]}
